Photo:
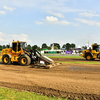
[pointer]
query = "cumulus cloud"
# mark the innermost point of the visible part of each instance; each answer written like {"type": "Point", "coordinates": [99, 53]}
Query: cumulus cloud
{"type": "Point", "coordinates": [89, 22]}
{"type": "Point", "coordinates": [56, 14]}
{"type": "Point", "coordinates": [2, 12]}
{"type": "Point", "coordinates": [89, 14]}
{"type": "Point", "coordinates": [4, 38]}
{"type": "Point", "coordinates": [51, 19]}
{"type": "Point", "coordinates": [9, 8]}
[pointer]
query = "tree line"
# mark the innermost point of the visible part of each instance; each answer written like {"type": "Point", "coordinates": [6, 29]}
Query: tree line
{"type": "Point", "coordinates": [66, 46]}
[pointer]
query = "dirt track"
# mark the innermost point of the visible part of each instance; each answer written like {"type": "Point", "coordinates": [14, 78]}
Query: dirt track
{"type": "Point", "coordinates": [71, 81]}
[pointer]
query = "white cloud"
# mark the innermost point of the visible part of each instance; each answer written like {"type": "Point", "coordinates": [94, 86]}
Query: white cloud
{"type": "Point", "coordinates": [9, 8]}
{"type": "Point", "coordinates": [51, 19]}
{"type": "Point", "coordinates": [4, 38]}
{"type": "Point", "coordinates": [56, 14]}
{"type": "Point", "coordinates": [86, 21]}
{"type": "Point", "coordinates": [2, 12]}
{"type": "Point", "coordinates": [54, 20]}
{"type": "Point", "coordinates": [54, 5]}
{"type": "Point", "coordinates": [89, 22]}
{"type": "Point", "coordinates": [89, 14]}
{"type": "Point", "coordinates": [97, 23]}
{"type": "Point", "coordinates": [39, 23]}
{"type": "Point", "coordinates": [64, 22]}
{"type": "Point", "coordinates": [21, 37]}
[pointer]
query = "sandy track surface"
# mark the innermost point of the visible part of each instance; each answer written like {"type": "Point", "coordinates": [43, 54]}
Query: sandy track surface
{"type": "Point", "coordinates": [71, 81]}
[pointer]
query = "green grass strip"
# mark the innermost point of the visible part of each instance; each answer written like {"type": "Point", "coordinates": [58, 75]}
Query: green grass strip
{"type": "Point", "coordinates": [79, 62]}
{"type": "Point", "coordinates": [65, 57]}
{"type": "Point", "coordinates": [12, 94]}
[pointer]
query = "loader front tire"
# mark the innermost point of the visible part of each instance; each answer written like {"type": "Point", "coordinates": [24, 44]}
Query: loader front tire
{"type": "Point", "coordinates": [24, 60]}
{"type": "Point", "coordinates": [6, 59]}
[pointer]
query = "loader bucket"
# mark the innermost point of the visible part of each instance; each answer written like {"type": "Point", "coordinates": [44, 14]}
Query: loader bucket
{"type": "Point", "coordinates": [49, 62]}
{"type": "Point", "coordinates": [52, 65]}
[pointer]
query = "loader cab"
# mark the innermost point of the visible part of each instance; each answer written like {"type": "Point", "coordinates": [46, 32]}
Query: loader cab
{"type": "Point", "coordinates": [17, 45]}
{"type": "Point", "coordinates": [14, 47]}
{"type": "Point", "coordinates": [96, 47]}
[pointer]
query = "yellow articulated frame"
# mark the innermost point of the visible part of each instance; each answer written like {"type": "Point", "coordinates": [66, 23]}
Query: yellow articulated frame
{"type": "Point", "coordinates": [14, 58]}
{"type": "Point", "coordinates": [0, 57]}
{"type": "Point", "coordinates": [82, 55]}
{"type": "Point", "coordinates": [14, 55]}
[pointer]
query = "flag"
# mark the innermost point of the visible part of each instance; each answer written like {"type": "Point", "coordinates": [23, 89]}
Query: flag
{"type": "Point", "coordinates": [88, 42]}
{"type": "Point", "coordinates": [52, 48]}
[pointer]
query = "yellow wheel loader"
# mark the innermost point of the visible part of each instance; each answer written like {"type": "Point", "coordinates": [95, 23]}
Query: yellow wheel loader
{"type": "Point", "coordinates": [24, 57]}
{"type": "Point", "coordinates": [92, 53]}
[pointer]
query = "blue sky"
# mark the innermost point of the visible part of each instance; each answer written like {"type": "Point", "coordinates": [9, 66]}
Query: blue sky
{"type": "Point", "coordinates": [50, 21]}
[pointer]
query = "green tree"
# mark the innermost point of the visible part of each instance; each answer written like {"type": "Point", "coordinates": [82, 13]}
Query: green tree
{"type": "Point", "coordinates": [55, 47]}
{"type": "Point", "coordinates": [38, 48]}
{"type": "Point", "coordinates": [7, 46]}
{"type": "Point", "coordinates": [56, 44]}
{"type": "Point", "coordinates": [73, 45]}
{"type": "Point", "coordinates": [49, 48]}
{"type": "Point", "coordinates": [64, 46]}
{"type": "Point", "coordinates": [44, 45]}
{"type": "Point", "coordinates": [34, 47]}
{"type": "Point", "coordinates": [29, 47]}
{"type": "Point", "coordinates": [3, 47]}
{"type": "Point", "coordinates": [0, 47]}
{"type": "Point", "coordinates": [68, 46]}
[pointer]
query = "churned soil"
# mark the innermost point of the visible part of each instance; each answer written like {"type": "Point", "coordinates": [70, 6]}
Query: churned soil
{"type": "Point", "coordinates": [72, 81]}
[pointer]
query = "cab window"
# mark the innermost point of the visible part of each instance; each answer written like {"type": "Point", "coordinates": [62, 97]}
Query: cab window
{"type": "Point", "coordinates": [14, 46]}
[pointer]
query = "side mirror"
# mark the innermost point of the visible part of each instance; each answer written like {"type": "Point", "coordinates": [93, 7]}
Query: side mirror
{"type": "Point", "coordinates": [25, 45]}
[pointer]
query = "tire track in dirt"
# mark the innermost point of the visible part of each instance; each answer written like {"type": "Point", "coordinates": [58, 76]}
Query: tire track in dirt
{"type": "Point", "coordinates": [50, 92]}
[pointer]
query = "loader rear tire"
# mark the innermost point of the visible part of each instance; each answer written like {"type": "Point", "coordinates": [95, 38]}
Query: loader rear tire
{"type": "Point", "coordinates": [24, 60]}
{"type": "Point", "coordinates": [6, 59]}
{"type": "Point", "coordinates": [89, 57]}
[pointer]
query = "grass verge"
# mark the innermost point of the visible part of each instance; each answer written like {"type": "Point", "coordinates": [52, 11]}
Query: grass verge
{"type": "Point", "coordinates": [79, 62]}
{"type": "Point", "coordinates": [12, 94]}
